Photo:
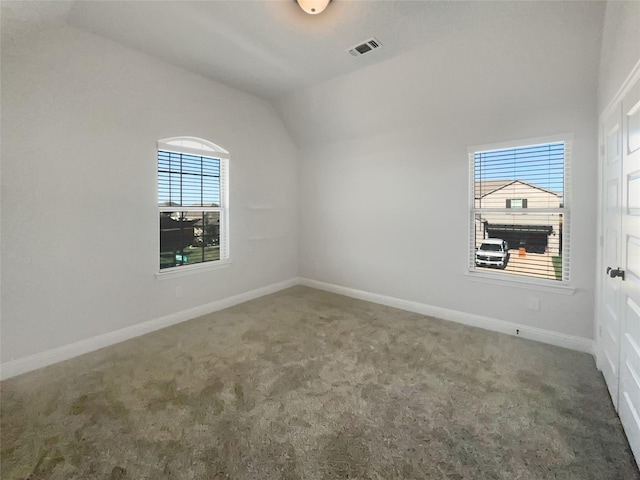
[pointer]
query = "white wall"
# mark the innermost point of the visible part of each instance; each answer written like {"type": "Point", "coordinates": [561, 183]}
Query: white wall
{"type": "Point", "coordinates": [384, 171]}
{"type": "Point", "coordinates": [620, 48]}
{"type": "Point", "coordinates": [80, 120]}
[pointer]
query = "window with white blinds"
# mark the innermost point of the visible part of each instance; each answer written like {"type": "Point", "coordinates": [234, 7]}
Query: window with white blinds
{"type": "Point", "coordinates": [192, 202]}
{"type": "Point", "coordinates": [520, 195]}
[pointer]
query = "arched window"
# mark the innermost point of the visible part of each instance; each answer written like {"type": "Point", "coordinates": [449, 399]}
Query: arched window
{"type": "Point", "coordinates": [193, 202]}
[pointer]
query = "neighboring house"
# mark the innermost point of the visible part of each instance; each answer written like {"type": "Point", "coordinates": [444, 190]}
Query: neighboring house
{"type": "Point", "coordinates": [535, 232]}
{"type": "Point", "coordinates": [182, 228]}
{"type": "Point", "coordinates": [207, 233]}
{"type": "Point", "coordinates": [176, 233]}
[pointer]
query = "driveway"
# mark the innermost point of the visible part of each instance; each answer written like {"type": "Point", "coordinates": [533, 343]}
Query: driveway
{"type": "Point", "coordinates": [538, 265]}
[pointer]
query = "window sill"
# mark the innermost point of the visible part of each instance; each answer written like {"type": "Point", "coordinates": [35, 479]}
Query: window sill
{"type": "Point", "coordinates": [514, 281]}
{"type": "Point", "coordinates": [192, 269]}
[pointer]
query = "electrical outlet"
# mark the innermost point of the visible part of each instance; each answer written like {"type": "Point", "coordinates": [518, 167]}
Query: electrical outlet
{"type": "Point", "coordinates": [534, 304]}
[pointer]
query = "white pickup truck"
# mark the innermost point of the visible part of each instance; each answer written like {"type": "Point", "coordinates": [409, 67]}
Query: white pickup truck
{"type": "Point", "coordinates": [493, 252]}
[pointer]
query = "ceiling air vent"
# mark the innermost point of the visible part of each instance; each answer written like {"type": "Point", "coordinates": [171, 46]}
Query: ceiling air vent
{"type": "Point", "coordinates": [365, 47]}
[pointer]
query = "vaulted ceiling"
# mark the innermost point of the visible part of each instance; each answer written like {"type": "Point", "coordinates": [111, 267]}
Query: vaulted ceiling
{"type": "Point", "coordinates": [271, 47]}
{"type": "Point", "coordinates": [433, 53]}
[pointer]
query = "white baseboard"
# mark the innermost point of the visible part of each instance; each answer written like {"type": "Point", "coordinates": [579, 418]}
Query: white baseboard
{"type": "Point", "coordinates": [49, 357]}
{"type": "Point", "coordinates": [532, 333]}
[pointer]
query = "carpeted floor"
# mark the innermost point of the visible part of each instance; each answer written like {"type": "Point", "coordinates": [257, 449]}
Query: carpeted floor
{"type": "Point", "coordinates": [305, 384]}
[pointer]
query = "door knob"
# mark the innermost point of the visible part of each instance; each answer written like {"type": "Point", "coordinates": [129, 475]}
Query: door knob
{"type": "Point", "coordinates": [615, 272]}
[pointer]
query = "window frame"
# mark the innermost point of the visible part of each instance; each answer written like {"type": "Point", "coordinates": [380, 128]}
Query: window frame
{"type": "Point", "coordinates": [207, 149]}
{"type": "Point", "coordinates": [503, 277]}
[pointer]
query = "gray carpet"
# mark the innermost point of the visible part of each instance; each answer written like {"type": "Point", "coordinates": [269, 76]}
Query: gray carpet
{"type": "Point", "coordinates": [305, 384]}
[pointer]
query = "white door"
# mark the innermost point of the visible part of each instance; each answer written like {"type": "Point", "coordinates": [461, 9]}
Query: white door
{"type": "Point", "coordinates": [609, 327]}
{"type": "Point", "coordinates": [629, 390]}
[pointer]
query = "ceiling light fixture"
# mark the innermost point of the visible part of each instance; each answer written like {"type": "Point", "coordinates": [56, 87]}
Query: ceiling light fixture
{"type": "Point", "coordinates": [313, 7]}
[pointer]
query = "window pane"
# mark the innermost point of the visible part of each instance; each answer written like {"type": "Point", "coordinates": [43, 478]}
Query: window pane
{"type": "Point", "coordinates": [189, 237]}
{"type": "Point", "coordinates": [535, 173]}
{"type": "Point", "coordinates": [188, 180]}
{"type": "Point", "coordinates": [164, 189]}
{"type": "Point", "coordinates": [211, 191]}
{"type": "Point", "coordinates": [534, 244]}
{"type": "Point", "coordinates": [191, 164]}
